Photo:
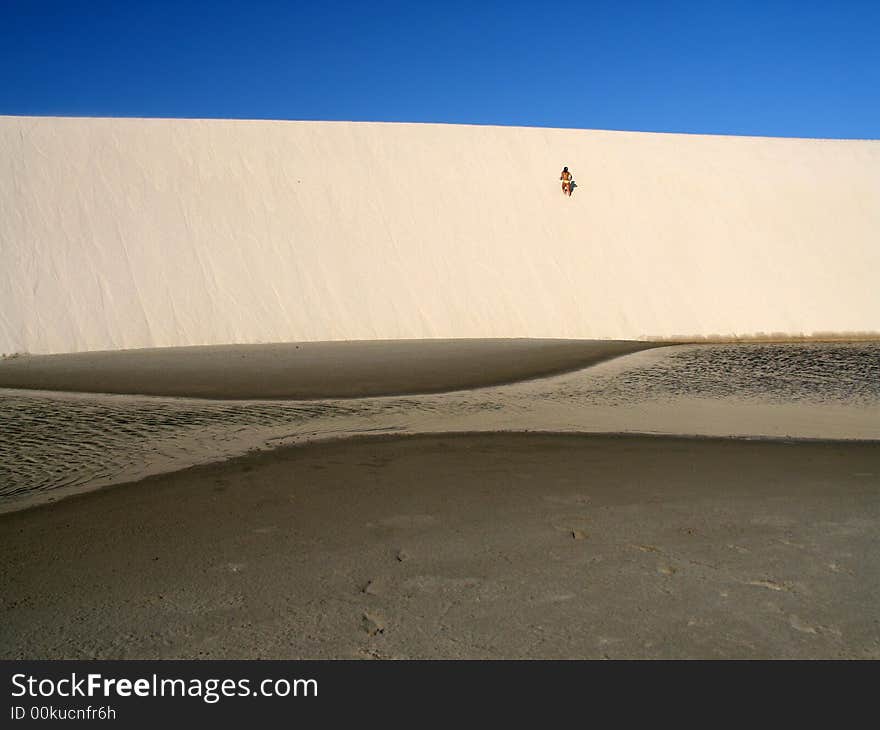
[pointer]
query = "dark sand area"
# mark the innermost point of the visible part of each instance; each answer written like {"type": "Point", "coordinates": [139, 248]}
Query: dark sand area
{"type": "Point", "coordinates": [489, 545]}
{"type": "Point", "coordinates": [310, 369]}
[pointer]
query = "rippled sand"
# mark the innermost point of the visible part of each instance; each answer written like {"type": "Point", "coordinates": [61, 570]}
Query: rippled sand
{"type": "Point", "coordinates": [54, 444]}
{"type": "Point", "coordinates": [382, 534]}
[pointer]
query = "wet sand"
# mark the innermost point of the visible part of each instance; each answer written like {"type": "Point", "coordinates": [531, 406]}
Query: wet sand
{"type": "Point", "coordinates": [310, 369]}
{"type": "Point", "coordinates": [480, 545]}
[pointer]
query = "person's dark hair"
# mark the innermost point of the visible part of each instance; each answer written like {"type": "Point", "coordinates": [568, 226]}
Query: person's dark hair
{"type": "Point", "coordinates": [565, 169]}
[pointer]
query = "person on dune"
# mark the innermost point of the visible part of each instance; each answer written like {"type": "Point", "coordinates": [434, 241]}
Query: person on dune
{"type": "Point", "coordinates": [566, 181]}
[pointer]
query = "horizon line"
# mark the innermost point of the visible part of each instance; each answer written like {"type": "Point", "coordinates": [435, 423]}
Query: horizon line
{"type": "Point", "coordinates": [136, 117]}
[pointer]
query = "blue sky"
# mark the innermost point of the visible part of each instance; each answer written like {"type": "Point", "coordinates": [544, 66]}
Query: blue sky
{"type": "Point", "coordinates": [809, 69]}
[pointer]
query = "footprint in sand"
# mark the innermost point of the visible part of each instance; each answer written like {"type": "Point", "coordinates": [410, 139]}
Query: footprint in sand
{"type": "Point", "coordinates": [372, 623]}
{"type": "Point", "coordinates": [798, 625]}
{"type": "Point", "coordinates": [574, 529]}
{"type": "Point", "coordinates": [374, 587]}
{"type": "Point", "coordinates": [771, 585]}
{"type": "Point", "coordinates": [647, 548]}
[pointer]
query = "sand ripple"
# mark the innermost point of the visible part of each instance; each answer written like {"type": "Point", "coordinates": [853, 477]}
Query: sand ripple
{"type": "Point", "coordinates": [53, 444]}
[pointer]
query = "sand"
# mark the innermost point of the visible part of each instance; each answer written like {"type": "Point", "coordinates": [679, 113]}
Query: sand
{"type": "Point", "coordinates": [477, 546]}
{"type": "Point", "coordinates": [309, 369]}
{"type": "Point", "coordinates": [132, 233]}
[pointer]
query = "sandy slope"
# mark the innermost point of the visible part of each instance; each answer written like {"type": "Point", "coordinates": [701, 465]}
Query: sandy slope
{"type": "Point", "coordinates": [123, 233]}
{"type": "Point", "coordinates": [493, 545]}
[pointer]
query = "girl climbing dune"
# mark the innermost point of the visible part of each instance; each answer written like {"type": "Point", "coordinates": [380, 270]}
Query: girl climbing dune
{"type": "Point", "coordinates": [566, 181]}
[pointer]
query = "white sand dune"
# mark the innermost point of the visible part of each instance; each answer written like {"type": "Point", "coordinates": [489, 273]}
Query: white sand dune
{"type": "Point", "coordinates": [130, 233]}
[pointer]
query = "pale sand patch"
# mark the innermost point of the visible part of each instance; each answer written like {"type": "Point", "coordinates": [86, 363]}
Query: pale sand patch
{"type": "Point", "coordinates": [309, 369]}
{"type": "Point", "coordinates": [180, 565]}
